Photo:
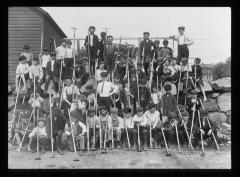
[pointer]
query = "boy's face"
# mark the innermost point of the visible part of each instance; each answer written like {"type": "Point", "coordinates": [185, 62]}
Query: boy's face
{"type": "Point", "coordinates": [154, 89]}
{"type": "Point", "coordinates": [180, 31]}
{"type": "Point", "coordinates": [110, 39]}
{"type": "Point", "coordinates": [34, 62]}
{"type": "Point", "coordinates": [167, 62]}
{"type": "Point", "coordinates": [91, 30]}
{"type": "Point", "coordinates": [73, 119]}
{"type": "Point", "coordinates": [133, 76]}
{"type": "Point", "coordinates": [64, 44]}
{"type": "Point", "coordinates": [104, 78]}
{"type": "Point", "coordinates": [41, 124]}
{"type": "Point", "coordinates": [23, 61]}
{"type": "Point", "coordinates": [185, 119]}
{"type": "Point", "coordinates": [139, 68]}
{"type": "Point", "coordinates": [127, 115]}
{"type": "Point", "coordinates": [126, 85]}
{"type": "Point", "coordinates": [116, 80]}
{"type": "Point", "coordinates": [90, 114]}
{"type": "Point", "coordinates": [114, 114]}
{"type": "Point", "coordinates": [168, 92]}
{"type": "Point", "coordinates": [68, 82]}
{"type": "Point", "coordinates": [26, 50]}
{"type": "Point", "coordinates": [152, 110]}
{"type": "Point", "coordinates": [172, 120]}
{"type": "Point", "coordinates": [156, 45]}
{"type": "Point", "coordinates": [101, 66]}
{"type": "Point", "coordinates": [165, 44]}
{"type": "Point", "coordinates": [139, 114]}
{"type": "Point", "coordinates": [146, 36]}
{"type": "Point", "coordinates": [104, 112]}
{"type": "Point", "coordinates": [53, 57]}
{"type": "Point", "coordinates": [174, 62]}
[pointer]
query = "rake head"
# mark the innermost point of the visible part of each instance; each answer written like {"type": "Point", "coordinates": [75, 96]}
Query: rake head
{"type": "Point", "coordinates": [37, 158]}
{"type": "Point", "coordinates": [168, 155]}
{"type": "Point", "coordinates": [76, 159]}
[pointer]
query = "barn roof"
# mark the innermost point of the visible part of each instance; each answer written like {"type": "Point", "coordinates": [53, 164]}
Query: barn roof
{"type": "Point", "coordinates": [50, 19]}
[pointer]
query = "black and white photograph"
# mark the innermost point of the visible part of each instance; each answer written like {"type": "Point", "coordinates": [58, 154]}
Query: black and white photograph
{"type": "Point", "coordinates": [119, 87]}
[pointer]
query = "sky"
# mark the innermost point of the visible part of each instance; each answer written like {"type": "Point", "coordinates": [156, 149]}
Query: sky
{"type": "Point", "coordinates": [208, 27]}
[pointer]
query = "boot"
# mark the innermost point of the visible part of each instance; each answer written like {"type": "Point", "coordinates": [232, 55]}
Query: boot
{"type": "Point", "coordinates": [118, 145]}
{"type": "Point", "coordinates": [145, 146]}
{"type": "Point", "coordinates": [135, 146]}
{"type": "Point", "coordinates": [43, 149]}
{"type": "Point", "coordinates": [60, 151]}
{"type": "Point", "coordinates": [34, 150]}
{"type": "Point", "coordinates": [93, 147]}
{"type": "Point", "coordinates": [110, 145]}
{"type": "Point", "coordinates": [144, 142]}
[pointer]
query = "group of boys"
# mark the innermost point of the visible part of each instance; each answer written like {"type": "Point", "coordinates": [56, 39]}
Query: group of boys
{"type": "Point", "coordinates": [136, 108]}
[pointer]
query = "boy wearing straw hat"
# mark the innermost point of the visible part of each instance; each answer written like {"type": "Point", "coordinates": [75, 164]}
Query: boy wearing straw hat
{"type": "Point", "coordinates": [22, 72]}
{"type": "Point", "coordinates": [40, 131]}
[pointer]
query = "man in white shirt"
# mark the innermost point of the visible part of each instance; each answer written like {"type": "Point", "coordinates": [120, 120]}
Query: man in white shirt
{"type": "Point", "coordinates": [39, 131]}
{"type": "Point", "coordinates": [153, 117]}
{"type": "Point", "coordinates": [105, 90]}
{"type": "Point", "coordinates": [183, 43]}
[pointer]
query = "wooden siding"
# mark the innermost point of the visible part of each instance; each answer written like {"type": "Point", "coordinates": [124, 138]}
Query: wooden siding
{"type": "Point", "coordinates": [24, 27]}
{"type": "Point", "coordinates": [50, 32]}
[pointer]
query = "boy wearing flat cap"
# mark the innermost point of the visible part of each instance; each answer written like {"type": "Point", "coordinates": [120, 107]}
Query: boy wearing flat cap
{"type": "Point", "coordinates": [117, 126]}
{"type": "Point", "coordinates": [169, 128]}
{"type": "Point", "coordinates": [183, 43]}
{"type": "Point", "coordinates": [144, 94]}
{"type": "Point", "coordinates": [93, 123]}
{"type": "Point", "coordinates": [140, 73]}
{"type": "Point", "coordinates": [52, 73]}
{"type": "Point", "coordinates": [165, 51]}
{"type": "Point", "coordinates": [146, 46]}
{"type": "Point", "coordinates": [92, 45]}
{"type": "Point", "coordinates": [27, 54]}
{"type": "Point", "coordinates": [199, 74]}
{"type": "Point", "coordinates": [41, 132]}
{"type": "Point", "coordinates": [141, 120]}
{"type": "Point", "coordinates": [168, 103]}
{"type": "Point", "coordinates": [79, 131]}
{"type": "Point", "coordinates": [129, 127]}
{"type": "Point", "coordinates": [22, 73]}
{"type": "Point", "coordinates": [104, 91]}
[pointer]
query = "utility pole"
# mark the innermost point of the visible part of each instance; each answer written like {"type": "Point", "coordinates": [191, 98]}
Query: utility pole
{"type": "Point", "coordinates": [74, 29]}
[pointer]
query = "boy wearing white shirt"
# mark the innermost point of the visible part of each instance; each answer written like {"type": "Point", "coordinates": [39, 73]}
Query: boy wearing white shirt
{"type": "Point", "coordinates": [183, 43]}
{"type": "Point", "coordinates": [105, 90]}
{"type": "Point", "coordinates": [40, 131]}
{"type": "Point", "coordinates": [44, 59]}
{"type": "Point", "coordinates": [99, 71]}
{"type": "Point", "coordinates": [22, 72]}
{"type": "Point", "coordinates": [35, 70]}
{"type": "Point", "coordinates": [140, 120]}
{"type": "Point", "coordinates": [61, 54]}
{"type": "Point", "coordinates": [153, 117]}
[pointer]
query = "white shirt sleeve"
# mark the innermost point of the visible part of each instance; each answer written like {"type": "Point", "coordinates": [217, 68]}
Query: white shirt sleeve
{"type": "Point", "coordinates": [33, 133]}
{"type": "Point", "coordinates": [84, 129]}
{"type": "Point", "coordinates": [64, 93]}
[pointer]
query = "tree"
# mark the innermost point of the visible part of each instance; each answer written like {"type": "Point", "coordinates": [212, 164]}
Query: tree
{"type": "Point", "coordinates": [222, 69]}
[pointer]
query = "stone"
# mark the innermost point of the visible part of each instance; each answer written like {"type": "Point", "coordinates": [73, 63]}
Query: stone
{"type": "Point", "coordinates": [215, 95]}
{"type": "Point", "coordinates": [210, 105]}
{"type": "Point", "coordinates": [224, 102]}
{"type": "Point", "coordinates": [223, 84]}
{"type": "Point", "coordinates": [217, 118]}
{"type": "Point", "coordinates": [228, 114]}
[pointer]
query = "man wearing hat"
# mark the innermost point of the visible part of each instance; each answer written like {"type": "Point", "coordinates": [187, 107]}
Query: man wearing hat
{"type": "Point", "coordinates": [92, 121]}
{"type": "Point", "coordinates": [92, 43]}
{"type": "Point", "coordinates": [104, 91]}
{"type": "Point", "coordinates": [52, 73]}
{"type": "Point", "coordinates": [27, 54]}
{"type": "Point", "coordinates": [199, 74]}
{"type": "Point", "coordinates": [183, 43]}
{"type": "Point", "coordinates": [168, 103]}
{"type": "Point", "coordinates": [145, 51]}
{"type": "Point", "coordinates": [144, 94]}
{"type": "Point", "coordinates": [35, 70]}
{"type": "Point", "coordinates": [117, 126]}
{"type": "Point", "coordinates": [44, 58]}
{"type": "Point", "coordinates": [40, 130]}
{"type": "Point", "coordinates": [100, 70]}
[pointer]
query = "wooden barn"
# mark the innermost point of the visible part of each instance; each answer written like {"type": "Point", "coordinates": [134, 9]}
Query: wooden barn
{"type": "Point", "coordinates": [26, 25]}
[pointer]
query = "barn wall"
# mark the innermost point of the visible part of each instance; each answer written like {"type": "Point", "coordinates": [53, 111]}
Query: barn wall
{"type": "Point", "coordinates": [24, 27]}
{"type": "Point", "coordinates": [50, 32]}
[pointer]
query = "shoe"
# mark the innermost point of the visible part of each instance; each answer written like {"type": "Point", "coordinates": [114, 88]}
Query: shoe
{"type": "Point", "coordinates": [43, 150]}
{"type": "Point", "coordinates": [205, 99]}
{"type": "Point", "coordinates": [60, 151]}
{"type": "Point", "coordinates": [118, 145]}
{"type": "Point", "coordinates": [34, 150]}
{"type": "Point", "coordinates": [28, 148]}
{"type": "Point", "coordinates": [145, 147]}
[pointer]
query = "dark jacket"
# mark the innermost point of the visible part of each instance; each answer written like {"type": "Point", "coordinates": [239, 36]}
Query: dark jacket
{"type": "Point", "coordinates": [141, 75]}
{"type": "Point", "coordinates": [101, 48]}
{"type": "Point", "coordinates": [145, 93]}
{"type": "Point", "coordinates": [56, 69]}
{"type": "Point", "coordinates": [156, 51]}
{"type": "Point", "coordinates": [95, 42]}
{"type": "Point", "coordinates": [198, 71]}
{"type": "Point", "coordinates": [147, 47]}
{"type": "Point", "coordinates": [121, 71]}
{"type": "Point", "coordinates": [169, 104]}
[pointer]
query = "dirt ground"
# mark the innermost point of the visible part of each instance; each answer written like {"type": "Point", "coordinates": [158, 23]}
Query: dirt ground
{"type": "Point", "coordinates": [124, 159]}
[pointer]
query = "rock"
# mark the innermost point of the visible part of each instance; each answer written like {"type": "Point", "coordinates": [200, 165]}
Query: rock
{"type": "Point", "coordinates": [224, 102]}
{"type": "Point", "coordinates": [210, 105]}
{"type": "Point", "coordinates": [225, 128]}
{"type": "Point", "coordinates": [223, 84]}
{"type": "Point", "coordinates": [215, 95]}
{"type": "Point", "coordinates": [9, 89]}
{"type": "Point", "coordinates": [207, 87]}
{"type": "Point", "coordinates": [217, 118]}
{"type": "Point", "coordinates": [228, 114]}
